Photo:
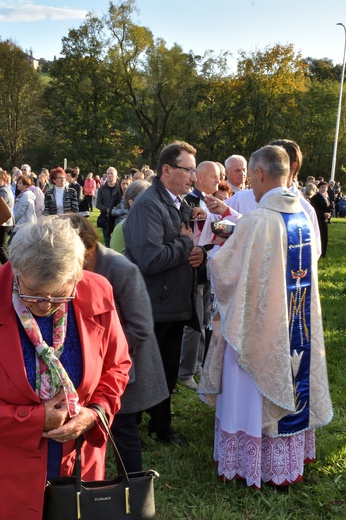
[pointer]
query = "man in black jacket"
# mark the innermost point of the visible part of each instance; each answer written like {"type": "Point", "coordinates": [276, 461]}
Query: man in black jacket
{"type": "Point", "coordinates": [159, 239]}
{"type": "Point", "coordinates": [104, 195]}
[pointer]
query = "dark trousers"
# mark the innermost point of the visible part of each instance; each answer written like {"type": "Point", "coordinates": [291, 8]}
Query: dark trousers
{"type": "Point", "coordinates": [89, 201]}
{"type": "Point", "coordinates": [125, 431]}
{"type": "Point", "coordinates": [106, 236]}
{"type": "Point", "coordinates": [324, 236]}
{"type": "Point", "coordinates": [169, 335]}
{"type": "Point", "coordinates": [4, 233]}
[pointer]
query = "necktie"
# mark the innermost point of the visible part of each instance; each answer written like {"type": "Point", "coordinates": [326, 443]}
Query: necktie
{"type": "Point", "coordinates": [177, 202]}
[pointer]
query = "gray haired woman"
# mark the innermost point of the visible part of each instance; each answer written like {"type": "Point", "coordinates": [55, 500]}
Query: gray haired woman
{"type": "Point", "coordinates": [62, 350]}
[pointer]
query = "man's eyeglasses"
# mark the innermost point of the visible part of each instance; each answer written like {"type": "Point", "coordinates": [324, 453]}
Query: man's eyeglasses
{"type": "Point", "coordinates": [187, 170]}
{"type": "Point", "coordinates": [59, 300]}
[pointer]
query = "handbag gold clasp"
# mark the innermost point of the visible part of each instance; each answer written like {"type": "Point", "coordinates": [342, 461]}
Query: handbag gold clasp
{"type": "Point", "coordinates": [127, 501]}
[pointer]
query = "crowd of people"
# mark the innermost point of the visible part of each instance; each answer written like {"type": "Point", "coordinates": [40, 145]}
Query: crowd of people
{"type": "Point", "coordinates": [235, 317]}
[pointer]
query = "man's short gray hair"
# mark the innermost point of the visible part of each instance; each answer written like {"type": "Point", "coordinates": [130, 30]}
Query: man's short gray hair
{"type": "Point", "coordinates": [49, 251]}
{"type": "Point", "coordinates": [273, 159]}
{"type": "Point", "coordinates": [231, 158]}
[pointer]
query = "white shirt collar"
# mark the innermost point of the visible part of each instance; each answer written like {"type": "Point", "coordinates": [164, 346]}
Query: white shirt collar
{"type": "Point", "coordinates": [173, 197]}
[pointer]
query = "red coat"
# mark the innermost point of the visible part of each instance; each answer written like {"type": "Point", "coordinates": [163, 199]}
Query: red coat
{"type": "Point", "coordinates": [23, 451]}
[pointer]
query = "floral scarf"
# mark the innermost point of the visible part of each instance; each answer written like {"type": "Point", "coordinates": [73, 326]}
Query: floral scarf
{"type": "Point", "coordinates": [50, 373]}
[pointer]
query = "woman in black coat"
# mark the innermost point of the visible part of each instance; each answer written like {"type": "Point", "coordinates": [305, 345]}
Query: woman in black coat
{"type": "Point", "coordinates": [60, 199]}
{"type": "Point", "coordinates": [324, 209]}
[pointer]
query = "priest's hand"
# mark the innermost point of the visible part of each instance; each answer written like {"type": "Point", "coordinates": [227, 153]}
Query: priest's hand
{"type": "Point", "coordinates": [214, 205]}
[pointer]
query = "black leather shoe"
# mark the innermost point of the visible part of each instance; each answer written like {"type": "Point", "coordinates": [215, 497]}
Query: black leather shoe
{"type": "Point", "coordinates": [172, 438]}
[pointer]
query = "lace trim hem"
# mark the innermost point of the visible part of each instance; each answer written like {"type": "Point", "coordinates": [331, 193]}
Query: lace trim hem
{"type": "Point", "coordinates": [277, 460]}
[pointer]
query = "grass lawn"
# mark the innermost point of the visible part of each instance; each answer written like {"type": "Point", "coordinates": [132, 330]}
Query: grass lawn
{"type": "Point", "coordinates": [188, 488]}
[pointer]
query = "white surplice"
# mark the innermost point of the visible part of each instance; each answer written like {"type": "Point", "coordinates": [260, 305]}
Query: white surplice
{"type": "Point", "coordinates": [248, 366]}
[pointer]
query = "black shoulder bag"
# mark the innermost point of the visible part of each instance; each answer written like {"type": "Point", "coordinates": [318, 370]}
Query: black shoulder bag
{"type": "Point", "coordinates": [128, 496]}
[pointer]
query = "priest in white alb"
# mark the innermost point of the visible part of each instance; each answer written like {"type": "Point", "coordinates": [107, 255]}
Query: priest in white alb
{"type": "Point", "coordinates": [267, 364]}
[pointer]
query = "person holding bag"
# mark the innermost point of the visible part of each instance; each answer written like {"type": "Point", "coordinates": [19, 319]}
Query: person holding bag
{"type": "Point", "coordinates": [62, 351]}
{"type": "Point", "coordinates": [128, 496]}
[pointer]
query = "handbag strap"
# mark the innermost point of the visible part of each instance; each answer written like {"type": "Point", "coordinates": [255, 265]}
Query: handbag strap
{"type": "Point", "coordinates": [104, 421]}
{"type": "Point", "coordinates": [78, 463]}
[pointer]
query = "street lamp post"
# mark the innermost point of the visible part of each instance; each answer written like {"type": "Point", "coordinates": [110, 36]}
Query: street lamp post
{"type": "Point", "coordinates": [332, 174]}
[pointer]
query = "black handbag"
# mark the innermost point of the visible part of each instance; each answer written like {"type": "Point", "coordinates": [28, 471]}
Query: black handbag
{"type": "Point", "coordinates": [128, 496]}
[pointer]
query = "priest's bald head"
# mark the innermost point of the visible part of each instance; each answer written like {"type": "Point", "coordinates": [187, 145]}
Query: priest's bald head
{"type": "Point", "coordinates": [269, 167]}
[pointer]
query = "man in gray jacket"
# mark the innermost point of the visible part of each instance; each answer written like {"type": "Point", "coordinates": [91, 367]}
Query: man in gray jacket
{"type": "Point", "coordinates": [159, 239]}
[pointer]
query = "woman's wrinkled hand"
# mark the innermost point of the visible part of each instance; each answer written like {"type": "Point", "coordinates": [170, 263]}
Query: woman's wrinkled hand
{"type": "Point", "coordinates": [56, 411]}
{"type": "Point", "coordinates": [73, 427]}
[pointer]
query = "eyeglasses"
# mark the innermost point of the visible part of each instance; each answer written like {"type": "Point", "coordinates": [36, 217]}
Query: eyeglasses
{"type": "Point", "coordinates": [59, 178]}
{"type": "Point", "coordinates": [187, 170]}
{"type": "Point", "coordinates": [59, 300]}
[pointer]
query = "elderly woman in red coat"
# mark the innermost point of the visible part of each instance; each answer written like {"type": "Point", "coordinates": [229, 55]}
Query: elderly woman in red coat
{"type": "Point", "coordinates": [62, 349]}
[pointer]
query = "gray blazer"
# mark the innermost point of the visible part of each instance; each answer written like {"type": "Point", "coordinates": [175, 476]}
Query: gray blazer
{"type": "Point", "coordinates": [134, 309]}
{"type": "Point", "coordinates": [24, 208]}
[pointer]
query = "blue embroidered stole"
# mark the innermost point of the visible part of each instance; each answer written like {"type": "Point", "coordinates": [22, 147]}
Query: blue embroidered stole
{"type": "Point", "coordinates": [298, 285]}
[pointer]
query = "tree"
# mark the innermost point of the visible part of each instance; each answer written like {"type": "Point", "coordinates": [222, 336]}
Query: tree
{"type": "Point", "coordinates": [316, 126]}
{"type": "Point", "coordinates": [323, 69]}
{"type": "Point", "coordinates": [205, 110]}
{"type": "Point", "coordinates": [20, 106]}
{"type": "Point", "coordinates": [146, 76]}
{"type": "Point", "coordinates": [267, 83]}
{"type": "Point", "coordinates": [86, 122]}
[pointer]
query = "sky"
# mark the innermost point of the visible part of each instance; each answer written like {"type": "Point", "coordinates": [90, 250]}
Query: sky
{"type": "Point", "coordinates": [197, 25]}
